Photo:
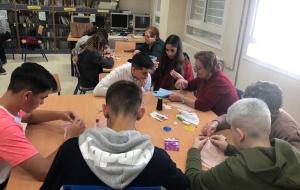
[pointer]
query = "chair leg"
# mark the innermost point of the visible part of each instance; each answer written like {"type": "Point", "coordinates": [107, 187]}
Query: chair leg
{"type": "Point", "coordinates": [25, 53]}
{"type": "Point", "coordinates": [41, 50]}
{"type": "Point", "coordinates": [76, 89]}
{"type": "Point", "coordinates": [22, 51]}
{"type": "Point", "coordinates": [43, 54]}
{"type": "Point", "coordinates": [12, 51]}
{"type": "Point", "coordinates": [82, 91]}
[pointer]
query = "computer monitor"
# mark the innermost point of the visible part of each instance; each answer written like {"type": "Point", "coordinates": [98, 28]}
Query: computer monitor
{"type": "Point", "coordinates": [100, 21]}
{"type": "Point", "coordinates": [119, 21]}
{"type": "Point", "coordinates": [141, 22]}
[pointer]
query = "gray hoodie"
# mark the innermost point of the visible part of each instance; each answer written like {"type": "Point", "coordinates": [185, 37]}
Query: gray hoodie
{"type": "Point", "coordinates": [116, 158]}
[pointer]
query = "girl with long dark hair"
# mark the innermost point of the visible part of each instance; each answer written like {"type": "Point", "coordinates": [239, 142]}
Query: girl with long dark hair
{"type": "Point", "coordinates": [172, 66]}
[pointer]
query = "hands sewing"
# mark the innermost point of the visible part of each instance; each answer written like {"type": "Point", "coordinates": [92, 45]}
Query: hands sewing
{"type": "Point", "coordinates": [210, 128]}
{"type": "Point", "coordinates": [76, 127]}
{"type": "Point", "coordinates": [217, 140]}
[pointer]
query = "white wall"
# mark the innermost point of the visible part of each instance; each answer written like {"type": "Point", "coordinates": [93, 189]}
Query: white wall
{"type": "Point", "coordinates": [136, 6]}
{"type": "Point", "coordinates": [250, 72]}
{"type": "Point", "coordinates": [171, 17]}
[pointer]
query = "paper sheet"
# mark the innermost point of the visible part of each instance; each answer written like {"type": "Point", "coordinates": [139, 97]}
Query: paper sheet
{"type": "Point", "coordinates": [42, 15]}
{"type": "Point", "coordinates": [181, 106]}
{"type": "Point", "coordinates": [211, 155]}
{"type": "Point", "coordinates": [162, 93]}
{"type": "Point", "coordinates": [190, 117]}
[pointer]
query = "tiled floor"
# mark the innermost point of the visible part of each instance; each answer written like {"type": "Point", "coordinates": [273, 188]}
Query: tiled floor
{"type": "Point", "coordinates": [58, 63]}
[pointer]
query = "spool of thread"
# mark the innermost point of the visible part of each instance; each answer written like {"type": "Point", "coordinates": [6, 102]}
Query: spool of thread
{"type": "Point", "coordinates": [159, 105]}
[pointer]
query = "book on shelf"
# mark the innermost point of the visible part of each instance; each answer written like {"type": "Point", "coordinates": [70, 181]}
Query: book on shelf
{"type": "Point", "coordinates": [5, 1]}
{"type": "Point", "coordinates": [33, 2]}
{"type": "Point", "coordinates": [58, 3]}
{"type": "Point", "coordinates": [46, 2]}
{"type": "Point", "coordinates": [65, 20]}
{"type": "Point", "coordinates": [107, 5]}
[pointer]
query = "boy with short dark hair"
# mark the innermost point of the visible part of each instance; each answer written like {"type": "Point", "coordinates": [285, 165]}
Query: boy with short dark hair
{"type": "Point", "coordinates": [30, 84]}
{"type": "Point", "coordinates": [137, 71]}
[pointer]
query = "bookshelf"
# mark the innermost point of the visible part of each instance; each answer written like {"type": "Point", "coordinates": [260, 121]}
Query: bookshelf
{"type": "Point", "coordinates": [24, 16]}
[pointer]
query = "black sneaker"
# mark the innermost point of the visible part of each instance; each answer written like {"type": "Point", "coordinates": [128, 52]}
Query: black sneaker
{"type": "Point", "coordinates": [2, 71]}
{"type": "Point", "coordinates": [3, 61]}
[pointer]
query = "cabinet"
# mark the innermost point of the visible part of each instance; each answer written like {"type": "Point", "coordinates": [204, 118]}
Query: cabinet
{"type": "Point", "coordinates": [24, 16]}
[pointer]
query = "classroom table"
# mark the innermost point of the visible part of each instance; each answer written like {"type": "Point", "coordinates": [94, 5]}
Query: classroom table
{"type": "Point", "coordinates": [47, 137]}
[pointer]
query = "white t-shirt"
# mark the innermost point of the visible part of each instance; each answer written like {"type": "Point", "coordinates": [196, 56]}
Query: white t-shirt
{"type": "Point", "coordinates": [120, 73]}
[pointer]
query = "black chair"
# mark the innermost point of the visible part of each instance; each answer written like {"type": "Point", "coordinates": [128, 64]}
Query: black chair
{"type": "Point", "coordinates": [80, 88]}
{"type": "Point", "coordinates": [33, 42]}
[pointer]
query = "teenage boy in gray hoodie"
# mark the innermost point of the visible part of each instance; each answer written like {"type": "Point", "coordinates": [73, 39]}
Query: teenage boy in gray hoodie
{"type": "Point", "coordinates": [117, 155]}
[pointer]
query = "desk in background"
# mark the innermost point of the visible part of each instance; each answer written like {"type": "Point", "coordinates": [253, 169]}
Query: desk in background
{"type": "Point", "coordinates": [136, 39]}
{"type": "Point", "coordinates": [47, 137]}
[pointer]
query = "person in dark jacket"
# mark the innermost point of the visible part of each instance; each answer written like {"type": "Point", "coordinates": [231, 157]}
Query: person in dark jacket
{"type": "Point", "coordinates": [117, 156]}
{"type": "Point", "coordinates": [153, 44]}
{"type": "Point", "coordinates": [255, 163]}
{"type": "Point", "coordinates": [3, 37]}
{"type": "Point", "coordinates": [172, 65]}
{"type": "Point", "coordinates": [92, 60]}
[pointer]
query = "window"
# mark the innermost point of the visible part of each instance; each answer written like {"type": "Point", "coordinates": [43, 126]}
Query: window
{"type": "Point", "coordinates": [205, 21]}
{"type": "Point", "coordinates": [274, 36]}
{"type": "Point", "coordinates": [157, 12]}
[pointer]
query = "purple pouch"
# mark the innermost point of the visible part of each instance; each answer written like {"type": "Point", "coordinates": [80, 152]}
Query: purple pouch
{"type": "Point", "coordinates": [171, 144]}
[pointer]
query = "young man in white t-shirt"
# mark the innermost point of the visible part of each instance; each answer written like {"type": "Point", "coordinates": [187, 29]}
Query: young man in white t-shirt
{"type": "Point", "coordinates": [30, 84]}
{"type": "Point", "coordinates": [138, 71]}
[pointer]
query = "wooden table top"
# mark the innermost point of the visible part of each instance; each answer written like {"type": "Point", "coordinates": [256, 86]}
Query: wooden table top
{"type": "Point", "coordinates": [120, 59]}
{"type": "Point", "coordinates": [47, 137]}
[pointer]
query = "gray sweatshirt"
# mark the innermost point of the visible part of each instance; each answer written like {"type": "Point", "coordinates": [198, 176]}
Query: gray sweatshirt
{"type": "Point", "coordinates": [116, 158]}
